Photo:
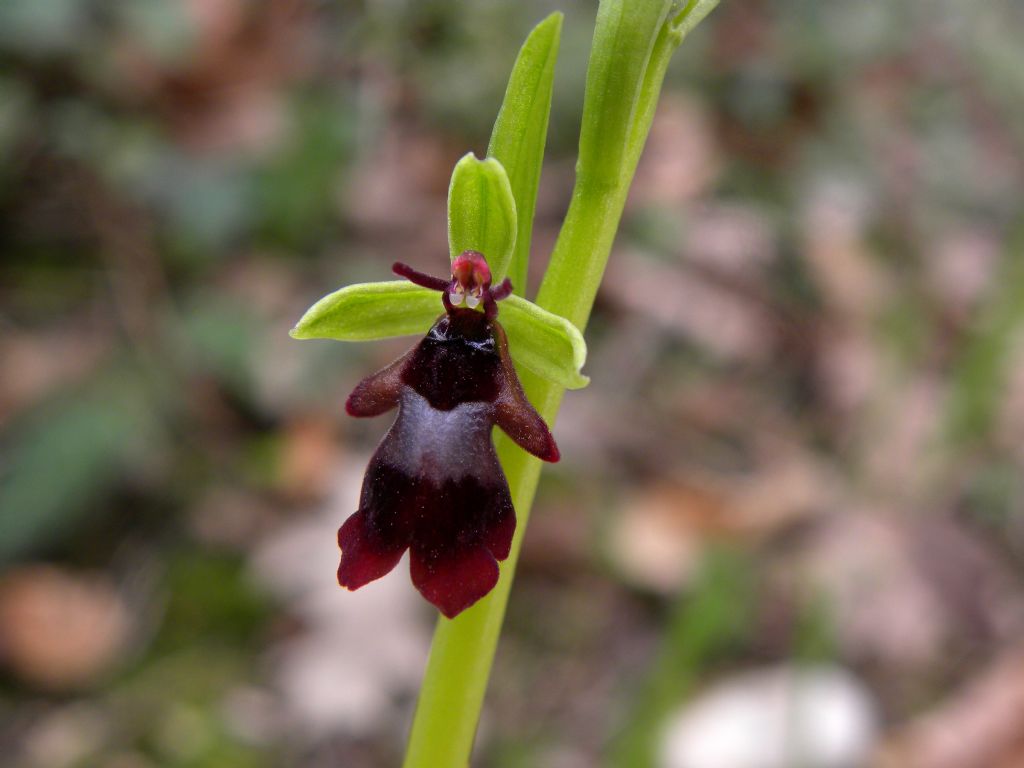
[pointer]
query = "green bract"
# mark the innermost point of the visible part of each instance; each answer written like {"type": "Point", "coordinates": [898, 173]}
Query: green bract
{"type": "Point", "coordinates": [482, 212]}
{"type": "Point", "coordinates": [521, 129]}
{"type": "Point", "coordinates": [544, 343]}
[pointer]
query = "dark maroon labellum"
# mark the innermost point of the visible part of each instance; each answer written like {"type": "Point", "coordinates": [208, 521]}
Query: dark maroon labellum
{"type": "Point", "coordinates": [434, 485]}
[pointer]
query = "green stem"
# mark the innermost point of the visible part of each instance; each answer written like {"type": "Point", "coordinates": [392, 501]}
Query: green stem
{"type": "Point", "coordinates": [633, 43]}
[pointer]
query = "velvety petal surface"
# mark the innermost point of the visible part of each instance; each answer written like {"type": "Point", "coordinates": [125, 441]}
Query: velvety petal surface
{"type": "Point", "coordinates": [434, 484]}
{"type": "Point", "coordinates": [453, 581]}
{"type": "Point", "coordinates": [363, 557]}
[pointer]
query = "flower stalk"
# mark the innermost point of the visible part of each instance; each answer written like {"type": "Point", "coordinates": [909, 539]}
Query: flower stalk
{"type": "Point", "coordinates": [633, 44]}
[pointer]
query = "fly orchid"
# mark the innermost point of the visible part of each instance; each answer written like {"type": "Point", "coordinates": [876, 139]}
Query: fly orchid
{"type": "Point", "coordinates": [434, 485]}
{"type": "Point", "coordinates": [492, 210]}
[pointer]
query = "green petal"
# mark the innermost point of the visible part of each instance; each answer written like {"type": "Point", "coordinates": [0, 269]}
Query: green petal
{"type": "Point", "coordinates": [520, 131]}
{"type": "Point", "coordinates": [547, 344]}
{"type": "Point", "coordinates": [482, 212]}
{"type": "Point", "coordinates": [368, 311]}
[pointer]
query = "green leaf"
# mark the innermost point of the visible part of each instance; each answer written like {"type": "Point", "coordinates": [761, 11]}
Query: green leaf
{"type": "Point", "coordinates": [368, 311]}
{"type": "Point", "coordinates": [482, 212]}
{"type": "Point", "coordinates": [520, 132]}
{"type": "Point", "coordinates": [623, 41]}
{"type": "Point", "coordinates": [980, 377]}
{"type": "Point", "coordinates": [631, 52]}
{"type": "Point", "coordinates": [708, 622]}
{"type": "Point", "coordinates": [543, 342]}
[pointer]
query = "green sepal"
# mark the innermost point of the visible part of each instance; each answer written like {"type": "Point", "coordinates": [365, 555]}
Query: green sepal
{"type": "Point", "coordinates": [543, 342]}
{"type": "Point", "coordinates": [370, 311]}
{"type": "Point", "coordinates": [520, 132]}
{"type": "Point", "coordinates": [482, 212]}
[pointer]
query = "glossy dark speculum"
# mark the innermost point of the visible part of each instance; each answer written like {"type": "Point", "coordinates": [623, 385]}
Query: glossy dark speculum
{"type": "Point", "coordinates": [434, 485]}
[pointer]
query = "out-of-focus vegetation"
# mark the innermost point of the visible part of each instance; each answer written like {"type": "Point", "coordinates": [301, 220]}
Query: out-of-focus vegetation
{"type": "Point", "coordinates": [801, 448]}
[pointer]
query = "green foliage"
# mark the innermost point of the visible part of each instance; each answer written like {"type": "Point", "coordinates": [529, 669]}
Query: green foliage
{"type": "Point", "coordinates": [520, 132]}
{"type": "Point", "coordinates": [296, 189]}
{"type": "Point", "coordinates": [482, 212]}
{"type": "Point", "coordinates": [815, 639]}
{"type": "Point", "coordinates": [623, 40]}
{"type": "Point", "coordinates": [221, 337]}
{"type": "Point", "coordinates": [980, 377]}
{"type": "Point", "coordinates": [172, 711]}
{"type": "Point", "coordinates": [65, 459]}
{"type": "Point", "coordinates": [633, 44]}
{"type": "Point", "coordinates": [42, 25]}
{"type": "Point", "coordinates": [705, 625]}
{"type": "Point", "coordinates": [211, 601]}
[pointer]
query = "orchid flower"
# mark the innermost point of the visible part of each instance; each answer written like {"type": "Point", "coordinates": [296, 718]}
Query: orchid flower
{"type": "Point", "coordinates": [435, 486]}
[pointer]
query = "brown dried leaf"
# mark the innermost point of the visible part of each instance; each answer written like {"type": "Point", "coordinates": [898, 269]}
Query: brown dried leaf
{"type": "Point", "coordinates": [726, 324]}
{"type": "Point", "coordinates": [228, 93]}
{"type": "Point", "coordinates": [884, 609]}
{"type": "Point", "coordinates": [982, 726]}
{"type": "Point", "coordinates": [309, 454]}
{"type": "Point", "coordinates": [660, 534]}
{"type": "Point", "coordinates": [833, 223]}
{"type": "Point", "coordinates": [60, 629]}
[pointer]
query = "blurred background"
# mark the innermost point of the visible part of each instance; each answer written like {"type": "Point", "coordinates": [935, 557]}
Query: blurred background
{"type": "Point", "coordinates": [788, 526]}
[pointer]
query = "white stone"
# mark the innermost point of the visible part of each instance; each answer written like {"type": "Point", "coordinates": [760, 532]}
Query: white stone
{"type": "Point", "coordinates": [813, 717]}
